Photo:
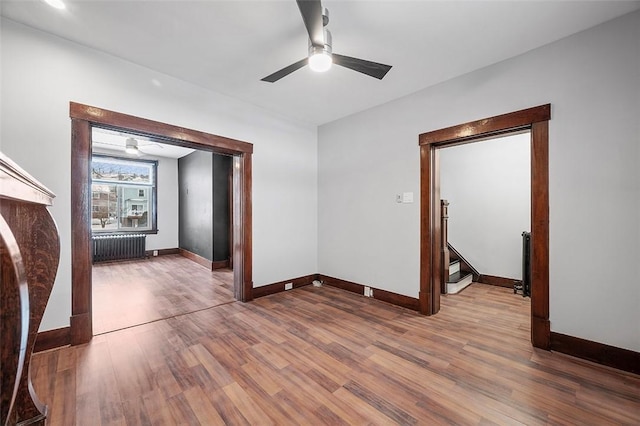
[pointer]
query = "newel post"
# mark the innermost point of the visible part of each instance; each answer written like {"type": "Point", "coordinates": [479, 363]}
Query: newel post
{"type": "Point", "coordinates": [444, 219]}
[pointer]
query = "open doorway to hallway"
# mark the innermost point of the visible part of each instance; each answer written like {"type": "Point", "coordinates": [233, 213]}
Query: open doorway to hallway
{"type": "Point", "coordinates": [486, 187]}
{"type": "Point", "coordinates": [536, 120]}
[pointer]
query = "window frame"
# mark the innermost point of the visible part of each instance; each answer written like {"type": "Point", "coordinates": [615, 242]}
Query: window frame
{"type": "Point", "coordinates": [153, 199]}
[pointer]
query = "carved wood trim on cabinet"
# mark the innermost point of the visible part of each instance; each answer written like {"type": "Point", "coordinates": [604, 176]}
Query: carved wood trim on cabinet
{"type": "Point", "coordinates": [14, 319]}
{"type": "Point", "coordinates": [534, 119]}
{"type": "Point", "coordinates": [30, 251]}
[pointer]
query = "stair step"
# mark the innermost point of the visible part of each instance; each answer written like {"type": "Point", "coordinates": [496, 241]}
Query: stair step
{"type": "Point", "coordinates": [454, 266]}
{"type": "Point", "coordinates": [456, 287]}
{"type": "Point", "coordinates": [458, 276]}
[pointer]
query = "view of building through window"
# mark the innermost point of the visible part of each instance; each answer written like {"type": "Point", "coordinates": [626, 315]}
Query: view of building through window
{"type": "Point", "coordinates": [122, 194]}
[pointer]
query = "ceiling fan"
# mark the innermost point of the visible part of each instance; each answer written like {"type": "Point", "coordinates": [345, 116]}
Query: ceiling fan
{"type": "Point", "coordinates": [320, 54]}
{"type": "Point", "coordinates": [131, 145]}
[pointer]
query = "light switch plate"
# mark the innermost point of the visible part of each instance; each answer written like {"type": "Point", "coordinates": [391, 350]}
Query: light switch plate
{"type": "Point", "coordinates": [407, 197]}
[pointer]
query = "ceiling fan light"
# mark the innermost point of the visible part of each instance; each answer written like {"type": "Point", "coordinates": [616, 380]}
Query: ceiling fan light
{"type": "Point", "coordinates": [320, 62]}
{"type": "Point", "coordinates": [131, 146]}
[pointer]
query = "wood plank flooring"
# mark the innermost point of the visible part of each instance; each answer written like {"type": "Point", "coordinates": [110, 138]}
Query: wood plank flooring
{"type": "Point", "coordinates": [315, 356]}
{"type": "Point", "coordinates": [139, 291]}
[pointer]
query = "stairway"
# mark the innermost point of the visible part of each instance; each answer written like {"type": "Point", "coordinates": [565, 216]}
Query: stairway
{"type": "Point", "coordinates": [458, 279]}
{"type": "Point", "coordinates": [460, 272]}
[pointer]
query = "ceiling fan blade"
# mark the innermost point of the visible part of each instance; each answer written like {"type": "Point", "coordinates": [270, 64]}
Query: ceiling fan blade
{"type": "Point", "coordinates": [150, 144]}
{"type": "Point", "coordinates": [285, 71]}
{"type": "Point", "coordinates": [311, 11]}
{"type": "Point", "coordinates": [372, 69]}
{"type": "Point", "coordinates": [106, 143]}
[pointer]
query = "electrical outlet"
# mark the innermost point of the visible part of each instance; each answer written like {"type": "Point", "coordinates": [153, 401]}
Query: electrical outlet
{"type": "Point", "coordinates": [288, 286]}
{"type": "Point", "coordinates": [155, 252]}
{"type": "Point", "coordinates": [367, 291]}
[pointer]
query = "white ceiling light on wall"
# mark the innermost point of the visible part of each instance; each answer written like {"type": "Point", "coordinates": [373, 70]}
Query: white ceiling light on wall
{"type": "Point", "coordinates": [58, 4]}
{"type": "Point", "coordinates": [131, 146]}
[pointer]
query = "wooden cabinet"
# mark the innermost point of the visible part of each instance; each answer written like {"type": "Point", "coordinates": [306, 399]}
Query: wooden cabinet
{"type": "Point", "coordinates": [29, 256]}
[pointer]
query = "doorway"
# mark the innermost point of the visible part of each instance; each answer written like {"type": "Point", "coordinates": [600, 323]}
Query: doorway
{"type": "Point", "coordinates": [487, 190]}
{"type": "Point", "coordinates": [160, 230]}
{"type": "Point", "coordinates": [536, 121]}
{"type": "Point", "coordinates": [83, 119]}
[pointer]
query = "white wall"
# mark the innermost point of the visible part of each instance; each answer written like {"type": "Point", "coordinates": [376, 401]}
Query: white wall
{"type": "Point", "coordinates": [592, 80]}
{"type": "Point", "coordinates": [167, 203]}
{"type": "Point", "coordinates": [42, 73]}
{"type": "Point", "coordinates": [488, 186]}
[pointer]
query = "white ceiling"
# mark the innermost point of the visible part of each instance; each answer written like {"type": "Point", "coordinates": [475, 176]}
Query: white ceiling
{"type": "Point", "coordinates": [228, 46]}
{"type": "Point", "coordinates": [111, 142]}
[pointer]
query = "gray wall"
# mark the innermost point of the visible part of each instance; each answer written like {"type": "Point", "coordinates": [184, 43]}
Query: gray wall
{"type": "Point", "coordinates": [221, 197]}
{"type": "Point", "coordinates": [203, 191]}
{"type": "Point", "coordinates": [195, 211]}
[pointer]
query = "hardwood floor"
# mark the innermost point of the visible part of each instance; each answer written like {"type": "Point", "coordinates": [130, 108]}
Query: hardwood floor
{"type": "Point", "coordinates": [326, 356]}
{"type": "Point", "coordinates": [139, 291]}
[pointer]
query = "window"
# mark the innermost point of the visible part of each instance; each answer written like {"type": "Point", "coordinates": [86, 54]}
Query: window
{"type": "Point", "coordinates": [123, 195]}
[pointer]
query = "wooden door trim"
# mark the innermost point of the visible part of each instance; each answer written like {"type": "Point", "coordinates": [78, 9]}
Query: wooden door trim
{"type": "Point", "coordinates": [83, 118]}
{"type": "Point", "coordinates": [536, 120]}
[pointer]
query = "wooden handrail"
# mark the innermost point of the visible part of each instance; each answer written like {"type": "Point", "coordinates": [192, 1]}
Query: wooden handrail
{"type": "Point", "coordinates": [465, 266]}
{"type": "Point", "coordinates": [30, 251]}
{"type": "Point", "coordinates": [444, 207]}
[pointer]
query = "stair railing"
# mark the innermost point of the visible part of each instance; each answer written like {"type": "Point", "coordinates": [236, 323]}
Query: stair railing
{"type": "Point", "coordinates": [444, 219]}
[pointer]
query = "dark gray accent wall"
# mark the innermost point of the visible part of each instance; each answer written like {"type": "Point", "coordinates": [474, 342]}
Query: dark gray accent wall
{"type": "Point", "coordinates": [221, 211]}
{"type": "Point", "coordinates": [195, 194]}
{"type": "Point", "coordinates": [204, 213]}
